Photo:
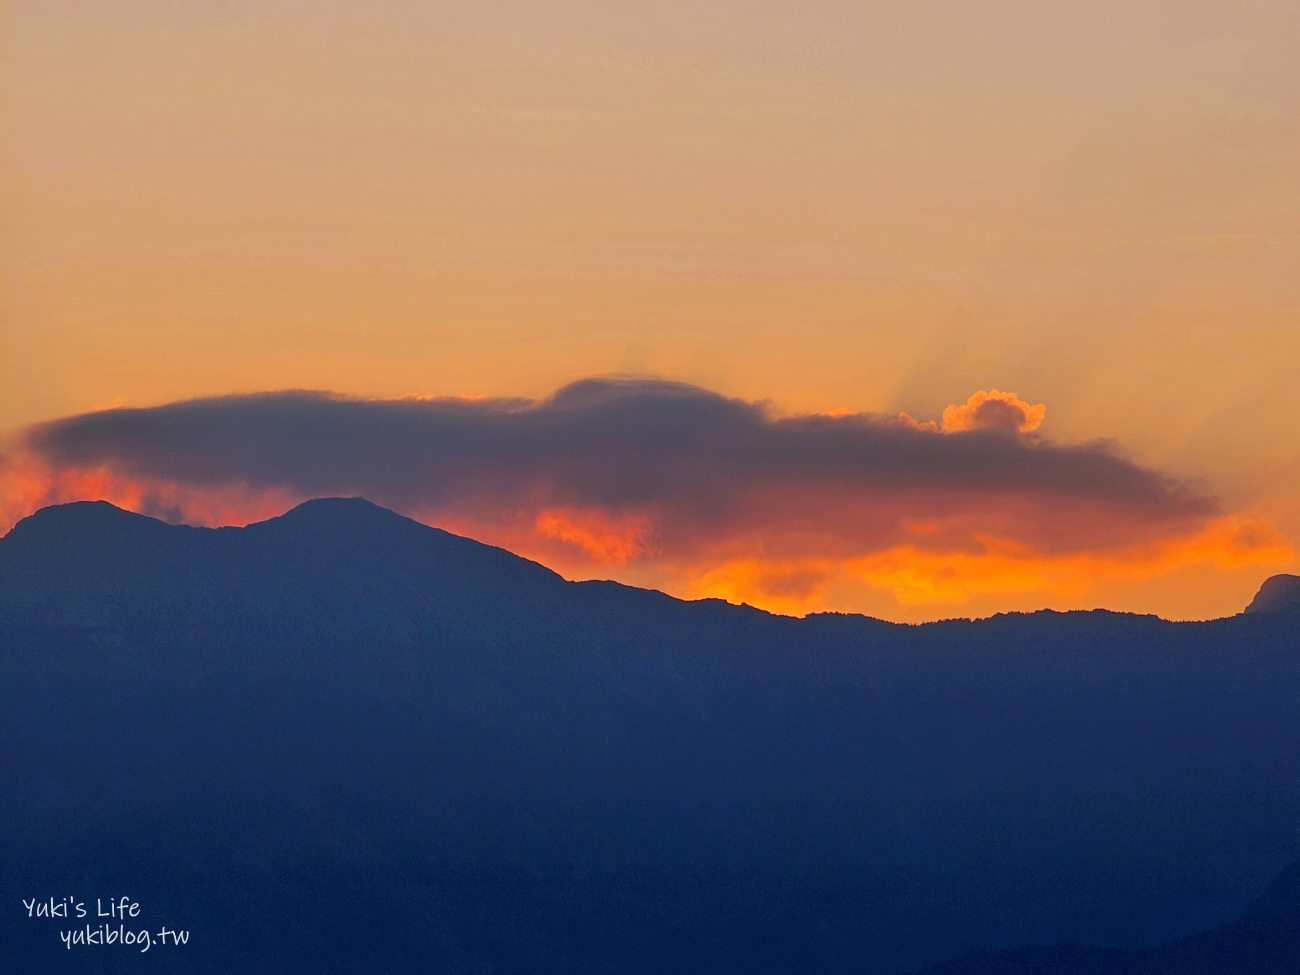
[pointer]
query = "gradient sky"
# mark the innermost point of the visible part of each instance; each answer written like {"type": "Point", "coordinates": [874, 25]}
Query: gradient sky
{"type": "Point", "coordinates": [831, 208]}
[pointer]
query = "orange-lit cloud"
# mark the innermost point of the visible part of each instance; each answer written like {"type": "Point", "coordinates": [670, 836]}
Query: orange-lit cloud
{"type": "Point", "coordinates": [993, 409]}
{"type": "Point", "coordinates": [914, 575]}
{"type": "Point", "coordinates": [28, 483]}
{"type": "Point", "coordinates": [601, 536]}
{"type": "Point", "coordinates": [674, 486]}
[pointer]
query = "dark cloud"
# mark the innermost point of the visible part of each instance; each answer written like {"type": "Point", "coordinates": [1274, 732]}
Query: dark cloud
{"type": "Point", "coordinates": [698, 464]}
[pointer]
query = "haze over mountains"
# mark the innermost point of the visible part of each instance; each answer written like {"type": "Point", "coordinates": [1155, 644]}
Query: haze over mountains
{"type": "Point", "coordinates": [340, 740]}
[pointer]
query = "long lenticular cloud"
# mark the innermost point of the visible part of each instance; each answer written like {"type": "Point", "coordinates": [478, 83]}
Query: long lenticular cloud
{"type": "Point", "coordinates": [625, 472]}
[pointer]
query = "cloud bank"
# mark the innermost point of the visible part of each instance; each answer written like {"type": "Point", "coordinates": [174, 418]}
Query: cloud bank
{"type": "Point", "coordinates": [716, 495]}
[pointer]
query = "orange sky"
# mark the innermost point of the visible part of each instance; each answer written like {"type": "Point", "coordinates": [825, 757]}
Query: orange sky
{"type": "Point", "coordinates": [826, 206]}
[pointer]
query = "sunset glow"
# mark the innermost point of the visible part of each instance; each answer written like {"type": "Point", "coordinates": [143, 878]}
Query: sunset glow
{"type": "Point", "coordinates": [1002, 343]}
{"type": "Point", "coordinates": [675, 487]}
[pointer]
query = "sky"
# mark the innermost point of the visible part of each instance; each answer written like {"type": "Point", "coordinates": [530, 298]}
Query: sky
{"type": "Point", "coordinates": [795, 250]}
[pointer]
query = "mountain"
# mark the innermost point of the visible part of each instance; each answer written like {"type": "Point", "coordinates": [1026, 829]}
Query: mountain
{"type": "Point", "coordinates": [342, 741]}
{"type": "Point", "coordinates": [1264, 941]}
{"type": "Point", "coordinates": [1280, 593]}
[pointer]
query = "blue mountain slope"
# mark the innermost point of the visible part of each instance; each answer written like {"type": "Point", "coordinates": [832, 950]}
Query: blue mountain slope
{"type": "Point", "coordinates": [340, 740]}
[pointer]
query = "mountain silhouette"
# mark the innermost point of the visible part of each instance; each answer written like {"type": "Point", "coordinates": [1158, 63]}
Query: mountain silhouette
{"type": "Point", "coordinates": [1264, 941]}
{"type": "Point", "coordinates": [343, 741]}
{"type": "Point", "coordinates": [1280, 593]}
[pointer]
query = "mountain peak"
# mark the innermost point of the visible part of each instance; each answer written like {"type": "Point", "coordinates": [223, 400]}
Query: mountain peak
{"type": "Point", "coordinates": [343, 517]}
{"type": "Point", "coordinates": [1279, 593]}
{"type": "Point", "coordinates": [79, 517]}
{"type": "Point", "coordinates": [339, 508]}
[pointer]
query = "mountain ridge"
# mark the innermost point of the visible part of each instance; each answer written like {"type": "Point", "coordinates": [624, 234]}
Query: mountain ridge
{"type": "Point", "coordinates": [358, 514]}
{"type": "Point", "coordinates": [523, 774]}
{"type": "Point", "coordinates": [1264, 940]}
{"type": "Point", "coordinates": [1279, 593]}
